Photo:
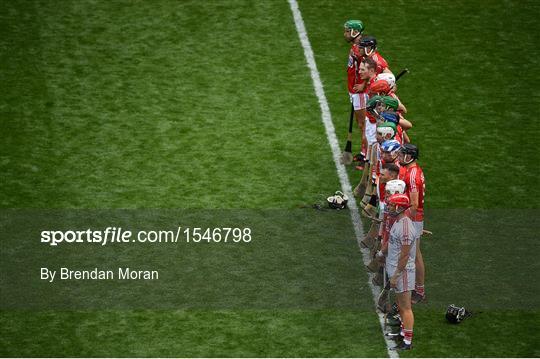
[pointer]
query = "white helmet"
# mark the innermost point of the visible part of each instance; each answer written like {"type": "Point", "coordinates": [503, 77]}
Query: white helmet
{"type": "Point", "coordinates": [395, 186]}
{"type": "Point", "coordinates": [388, 77]}
{"type": "Point", "coordinates": [386, 133]}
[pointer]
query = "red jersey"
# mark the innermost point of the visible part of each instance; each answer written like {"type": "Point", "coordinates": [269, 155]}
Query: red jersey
{"type": "Point", "coordinates": [399, 135]}
{"type": "Point", "coordinates": [352, 68]}
{"type": "Point", "coordinates": [414, 179]}
{"type": "Point", "coordinates": [402, 171]}
{"type": "Point", "coordinates": [354, 54]}
{"type": "Point", "coordinates": [369, 83]}
{"type": "Point", "coordinates": [381, 62]}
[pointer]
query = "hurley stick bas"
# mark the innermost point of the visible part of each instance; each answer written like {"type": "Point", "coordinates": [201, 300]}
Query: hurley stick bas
{"type": "Point", "coordinates": [346, 156]}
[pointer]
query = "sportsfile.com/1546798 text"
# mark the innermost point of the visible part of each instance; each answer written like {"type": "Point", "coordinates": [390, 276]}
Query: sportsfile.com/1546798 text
{"type": "Point", "coordinates": [121, 236]}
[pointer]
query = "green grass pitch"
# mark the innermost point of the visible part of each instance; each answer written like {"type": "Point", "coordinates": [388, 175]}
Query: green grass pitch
{"type": "Point", "coordinates": [209, 105]}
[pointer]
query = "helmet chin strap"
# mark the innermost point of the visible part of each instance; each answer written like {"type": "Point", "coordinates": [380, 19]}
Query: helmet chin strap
{"type": "Point", "coordinates": [353, 35]}
{"type": "Point", "coordinates": [408, 162]}
{"type": "Point", "coordinates": [370, 52]}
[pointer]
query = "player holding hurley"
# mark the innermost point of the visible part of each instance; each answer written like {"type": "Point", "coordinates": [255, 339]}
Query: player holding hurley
{"type": "Point", "coordinates": [353, 34]}
{"type": "Point", "coordinates": [371, 64]}
{"type": "Point", "coordinates": [400, 263]}
{"type": "Point", "coordinates": [415, 190]}
{"type": "Point", "coordinates": [367, 72]}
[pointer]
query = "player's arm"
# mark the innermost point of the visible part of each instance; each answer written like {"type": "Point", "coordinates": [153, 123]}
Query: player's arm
{"type": "Point", "coordinates": [401, 106]}
{"type": "Point", "coordinates": [404, 123]}
{"type": "Point", "coordinates": [360, 87]}
{"type": "Point", "coordinates": [406, 138]}
{"type": "Point", "coordinates": [387, 70]}
{"type": "Point", "coordinates": [403, 257]}
{"type": "Point", "coordinates": [416, 186]}
{"type": "Point", "coordinates": [414, 201]}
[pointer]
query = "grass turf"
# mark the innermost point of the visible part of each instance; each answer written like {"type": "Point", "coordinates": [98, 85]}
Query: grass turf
{"type": "Point", "coordinates": [195, 333]}
{"type": "Point", "coordinates": [474, 155]}
{"type": "Point", "coordinates": [132, 105]}
{"type": "Point", "coordinates": [468, 63]}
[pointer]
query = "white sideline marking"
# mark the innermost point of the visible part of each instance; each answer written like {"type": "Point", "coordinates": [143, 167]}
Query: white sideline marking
{"type": "Point", "coordinates": [336, 152]}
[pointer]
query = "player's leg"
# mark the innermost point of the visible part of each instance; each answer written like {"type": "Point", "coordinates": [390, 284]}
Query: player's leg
{"type": "Point", "coordinates": [407, 316]}
{"type": "Point", "coordinates": [360, 189]}
{"type": "Point", "coordinates": [369, 201]}
{"type": "Point", "coordinates": [404, 288]}
{"type": "Point", "coordinates": [419, 294]}
{"type": "Point", "coordinates": [371, 138]}
{"type": "Point", "coordinates": [371, 131]}
{"type": "Point", "coordinates": [420, 270]}
{"type": "Point", "coordinates": [359, 115]}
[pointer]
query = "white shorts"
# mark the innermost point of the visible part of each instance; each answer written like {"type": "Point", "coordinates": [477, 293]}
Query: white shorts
{"type": "Point", "coordinates": [371, 132]}
{"type": "Point", "coordinates": [418, 228]}
{"type": "Point", "coordinates": [405, 281]}
{"type": "Point", "coordinates": [358, 100]}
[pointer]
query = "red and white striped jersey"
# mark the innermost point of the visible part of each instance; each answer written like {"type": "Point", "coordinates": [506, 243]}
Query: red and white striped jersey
{"type": "Point", "coordinates": [402, 234]}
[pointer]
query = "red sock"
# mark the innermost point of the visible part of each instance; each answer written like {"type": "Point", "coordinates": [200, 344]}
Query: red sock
{"type": "Point", "coordinates": [419, 289]}
{"type": "Point", "coordinates": [407, 336]}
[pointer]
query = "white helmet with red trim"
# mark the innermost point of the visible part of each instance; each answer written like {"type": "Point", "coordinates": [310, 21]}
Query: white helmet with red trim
{"type": "Point", "coordinates": [395, 186]}
{"type": "Point", "coordinates": [388, 77]}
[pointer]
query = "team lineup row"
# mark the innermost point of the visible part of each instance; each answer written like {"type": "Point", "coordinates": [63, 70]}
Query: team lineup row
{"type": "Point", "coordinates": [392, 185]}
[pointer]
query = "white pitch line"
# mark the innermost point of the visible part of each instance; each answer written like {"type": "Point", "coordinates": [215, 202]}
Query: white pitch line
{"type": "Point", "coordinates": [336, 152]}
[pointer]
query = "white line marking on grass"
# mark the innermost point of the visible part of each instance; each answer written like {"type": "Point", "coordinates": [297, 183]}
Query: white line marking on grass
{"type": "Point", "coordinates": [336, 152]}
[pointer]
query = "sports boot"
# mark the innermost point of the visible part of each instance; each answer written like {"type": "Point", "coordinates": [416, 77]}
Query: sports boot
{"type": "Point", "coordinates": [417, 298]}
{"type": "Point", "coordinates": [402, 346]}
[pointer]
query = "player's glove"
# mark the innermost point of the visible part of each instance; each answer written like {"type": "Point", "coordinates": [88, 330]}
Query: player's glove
{"type": "Point", "coordinates": [456, 315]}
